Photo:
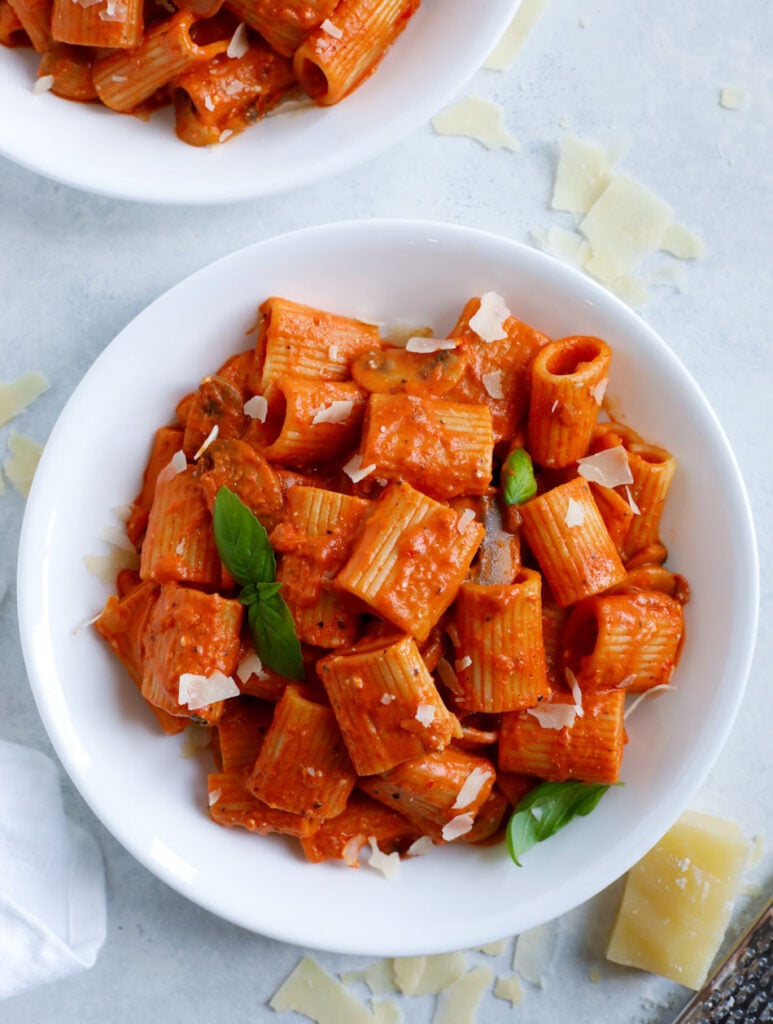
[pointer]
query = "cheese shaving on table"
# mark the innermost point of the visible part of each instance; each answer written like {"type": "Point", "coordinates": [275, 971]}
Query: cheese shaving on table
{"type": "Point", "coordinates": [489, 321]}
{"type": "Point", "coordinates": [387, 863]}
{"type": "Point", "coordinates": [584, 172]}
{"type": "Point", "coordinates": [425, 713]}
{"type": "Point", "coordinates": [564, 244]}
{"type": "Point", "coordinates": [331, 29]}
{"type": "Point", "coordinates": [681, 242]}
{"type": "Point", "coordinates": [199, 691]}
{"type": "Point", "coordinates": [494, 948]}
{"type": "Point", "coordinates": [311, 991]}
{"type": "Point", "coordinates": [22, 462]}
{"type": "Point", "coordinates": [211, 436]}
{"type": "Point", "coordinates": [379, 977]}
{"type": "Point", "coordinates": [653, 691]}
{"type": "Point", "coordinates": [250, 666]}
{"type": "Point", "coordinates": [534, 952]}
{"type": "Point", "coordinates": [257, 408]}
{"type": "Point", "coordinates": [427, 345]}
{"type": "Point", "coordinates": [510, 989]}
{"type": "Point", "coordinates": [387, 1011]}
{"type": "Point", "coordinates": [355, 470]}
{"type": "Point", "coordinates": [459, 1002]}
{"type": "Point", "coordinates": [515, 35]}
{"type": "Point", "coordinates": [575, 514]}
{"type": "Point", "coordinates": [337, 412]}
{"type": "Point", "coordinates": [428, 975]}
{"type": "Point", "coordinates": [476, 118]}
{"type": "Point", "coordinates": [492, 382]}
{"type": "Point", "coordinates": [43, 84]}
{"type": "Point", "coordinates": [239, 44]}
{"type": "Point", "coordinates": [732, 98]}
{"type": "Point", "coordinates": [16, 395]}
{"type": "Point", "coordinates": [472, 786]}
{"type": "Point", "coordinates": [609, 468]}
{"type": "Point", "coordinates": [456, 827]}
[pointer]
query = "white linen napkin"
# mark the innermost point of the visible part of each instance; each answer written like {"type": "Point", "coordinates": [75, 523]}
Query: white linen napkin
{"type": "Point", "coordinates": [52, 878]}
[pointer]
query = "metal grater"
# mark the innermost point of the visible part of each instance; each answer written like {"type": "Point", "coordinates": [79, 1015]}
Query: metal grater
{"type": "Point", "coordinates": [741, 989]}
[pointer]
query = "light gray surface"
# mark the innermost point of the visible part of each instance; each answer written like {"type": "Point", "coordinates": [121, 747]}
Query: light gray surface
{"type": "Point", "coordinates": [74, 269]}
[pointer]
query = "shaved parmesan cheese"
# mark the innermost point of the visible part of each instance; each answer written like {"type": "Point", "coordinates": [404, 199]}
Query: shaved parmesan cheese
{"type": "Point", "coordinates": [425, 714]}
{"type": "Point", "coordinates": [653, 690]}
{"type": "Point", "coordinates": [195, 739]}
{"type": "Point", "coordinates": [459, 1002]}
{"type": "Point", "coordinates": [428, 975]}
{"type": "Point", "coordinates": [44, 83]}
{"type": "Point", "coordinates": [473, 784]}
{"type": "Point", "coordinates": [331, 29]}
{"type": "Point", "coordinates": [234, 87]}
{"type": "Point", "coordinates": [113, 12]}
{"type": "Point", "coordinates": [355, 470]}
{"type": "Point", "coordinates": [534, 951]}
{"type": "Point", "coordinates": [575, 514]}
{"type": "Point", "coordinates": [337, 412]}
{"type": "Point", "coordinates": [420, 846]}
{"type": "Point", "coordinates": [211, 436]}
{"type": "Point", "coordinates": [225, 135]}
{"type": "Point", "coordinates": [567, 245]}
{"type": "Point", "coordinates": [492, 382]}
{"type": "Point", "coordinates": [476, 118]}
{"type": "Point", "coordinates": [574, 686]}
{"type": "Point", "coordinates": [732, 98]}
{"type": "Point", "coordinates": [504, 53]}
{"type": "Point", "coordinates": [23, 461]}
{"type": "Point", "coordinates": [427, 345]}
{"type": "Point", "coordinates": [177, 464]}
{"type": "Point", "coordinates": [209, 103]}
{"type": "Point", "coordinates": [489, 322]}
{"type": "Point", "coordinates": [387, 1011]}
{"type": "Point", "coordinates": [634, 507]}
{"type": "Point", "coordinates": [600, 390]}
{"type": "Point", "coordinates": [453, 633]}
{"type": "Point", "coordinates": [626, 223]}
{"type": "Point", "coordinates": [672, 275]}
{"type": "Point", "coordinates": [122, 512]}
{"type": "Point", "coordinates": [200, 691]}
{"type": "Point", "coordinates": [510, 989]}
{"type": "Point", "coordinates": [463, 663]}
{"type": "Point", "coordinates": [584, 172]}
{"type": "Point", "coordinates": [554, 716]}
{"type": "Point", "coordinates": [494, 948]}
{"type": "Point", "coordinates": [257, 408]}
{"type": "Point", "coordinates": [681, 242]}
{"type": "Point", "coordinates": [630, 289]}
{"type": "Point", "coordinates": [107, 567]}
{"type": "Point", "coordinates": [312, 992]}
{"type": "Point", "coordinates": [239, 44]}
{"type": "Point", "coordinates": [387, 863]}
{"type": "Point", "coordinates": [250, 666]}
{"type": "Point", "coordinates": [464, 520]}
{"type": "Point", "coordinates": [387, 698]}
{"type": "Point", "coordinates": [16, 395]}
{"type": "Point", "coordinates": [456, 827]}
{"type": "Point", "coordinates": [608, 468]}
{"type": "Point", "coordinates": [116, 536]}
{"type": "Point", "coordinates": [214, 796]}
{"type": "Point", "coordinates": [379, 977]}
{"type": "Point", "coordinates": [447, 675]}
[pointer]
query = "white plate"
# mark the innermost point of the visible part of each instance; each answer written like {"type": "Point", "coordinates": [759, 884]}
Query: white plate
{"type": "Point", "coordinates": [154, 801]}
{"type": "Point", "coordinates": [93, 148]}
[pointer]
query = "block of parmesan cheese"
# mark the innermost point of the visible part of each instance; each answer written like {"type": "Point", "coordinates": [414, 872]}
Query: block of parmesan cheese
{"type": "Point", "coordinates": [678, 899]}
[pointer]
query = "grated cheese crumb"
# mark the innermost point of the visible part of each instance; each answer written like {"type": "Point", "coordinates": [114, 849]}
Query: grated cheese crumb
{"type": "Point", "coordinates": [575, 514]}
{"type": "Point", "coordinates": [43, 84]}
{"type": "Point", "coordinates": [114, 12]}
{"type": "Point", "coordinates": [464, 520]}
{"type": "Point", "coordinates": [225, 135]}
{"type": "Point", "coordinates": [463, 663]}
{"type": "Point", "coordinates": [239, 44]}
{"type": "Point", "coordinates": [427, 345]}
{"type": "Point", "coordinates": [457, 827]}
{"type": "Point", "coordinates": [211, 436]}
{"type": "Point", "coordinates": [732, 98]}
{"type": "Point", "coordinates": [234, 87]}
{"type": "Point", "coordinates": [476, 118]}
{"type": "Point", "coordinates": [209, 103]}
{"type": "Point", "coordinates": [16, 395]}
{"type": "Point", "coordinates": [492, 382]}
{"type": "Point", "coordinates": [331, 29]}
{"type": "Point", "coordinates": [608, 468]}
{"type": "Point", "coordinates": [355, 470]}
{"type": "Point", "coordinates": [257, 408]}
{"type": "Point", "coordinates": [425, 714]}
{"type": "Point", "coordinates": [489, 322]}
{"type": "Point", "coordinates": [214, 796]}
{"type": "Point", "coordinates": [337, 412]}
{"type": "Point", "coordinates": [387, 698]}
{"type": "Point", "coordinates": [471, 788]}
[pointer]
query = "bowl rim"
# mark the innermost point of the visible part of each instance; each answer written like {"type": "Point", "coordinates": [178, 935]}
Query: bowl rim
{"type": "Point", "coordinates": [155, 188]}
{"type": "Point", "coordinates": [630, 848]}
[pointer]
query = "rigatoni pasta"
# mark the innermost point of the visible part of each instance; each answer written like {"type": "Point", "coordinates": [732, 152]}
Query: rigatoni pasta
{"type": "Point", "coordinates": [470, 605]}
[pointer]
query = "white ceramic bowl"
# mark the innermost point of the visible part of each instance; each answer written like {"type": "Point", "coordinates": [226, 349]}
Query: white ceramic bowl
{"type": "Point", "coordinates": [153, 800]}
{"type": "Point", "coordinates": [93, 148]}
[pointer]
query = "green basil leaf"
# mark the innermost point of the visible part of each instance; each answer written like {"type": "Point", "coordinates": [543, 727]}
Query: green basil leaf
{"type": "Point", "coordinates": [274, 636]}
{"type": "Point", "coordinates": [267, 590]}
{"type": "Point", "coordinates": [546, 809]}
{"type": "Point", "coordinates": [242, 542]}
{"type": "Point", "coordinates": [249, 594]}
{"type": "Point", "coordinates": [518, 483]}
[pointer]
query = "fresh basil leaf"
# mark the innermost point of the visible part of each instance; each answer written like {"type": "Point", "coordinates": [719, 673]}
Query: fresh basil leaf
{"type": "Point", "coordinates": [248, 595]}
{"type": "Point", "coordinates": [518, 483]}
{"type": "Point", "coordinates": [242, 542]}
{"type": "Point", "coordinates": [546, 809]}
{"type": "Point", "coordinates": [274, 636]}
{"type": "Point", "coordinates": [267, 590]}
